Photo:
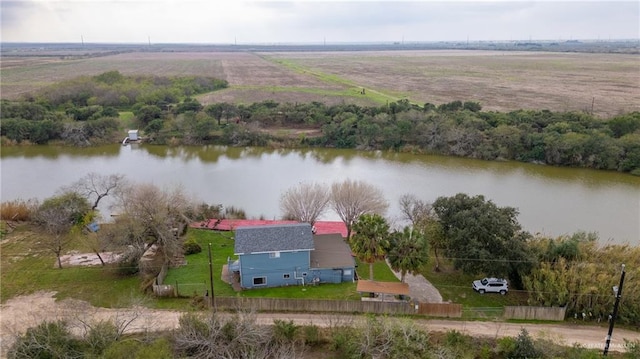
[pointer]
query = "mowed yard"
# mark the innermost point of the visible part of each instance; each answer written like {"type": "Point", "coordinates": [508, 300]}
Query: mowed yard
{"type": "Point", "coordinates": [607, 84]}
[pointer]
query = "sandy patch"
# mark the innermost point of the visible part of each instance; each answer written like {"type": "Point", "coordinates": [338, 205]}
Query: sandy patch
{"type": "Point", "coordinates": [74, 258]}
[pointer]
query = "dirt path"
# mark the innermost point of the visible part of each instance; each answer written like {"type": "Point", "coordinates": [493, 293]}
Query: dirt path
{"type": "Point", "coordinates": [23, 312]}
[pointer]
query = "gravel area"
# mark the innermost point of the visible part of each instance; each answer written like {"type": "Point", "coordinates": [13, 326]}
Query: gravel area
{"type": "Point", "coordinates": [420, 289]}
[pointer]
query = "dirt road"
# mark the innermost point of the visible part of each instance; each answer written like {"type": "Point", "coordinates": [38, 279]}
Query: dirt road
{"type": "Point", "coordinates": [23, 312]}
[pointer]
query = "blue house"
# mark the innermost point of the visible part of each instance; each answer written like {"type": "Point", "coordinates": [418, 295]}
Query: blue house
{"type": "Point", "coordinates": [289, 254]}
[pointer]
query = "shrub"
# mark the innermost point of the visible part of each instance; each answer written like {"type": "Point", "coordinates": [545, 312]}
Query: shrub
{"type": "Point", "coordinates": [122, 349]}
{"type": "Point", "coordinates": [524, 347]}
{"type": "Point", "coordinates": [191, 247]}
{"type": "Point", "coordinates": [454, 338]}
{"type": "Point", "coordinates": [101, 336]}
{"type": "Point", "coordinates": [311, 335]}
{"type": "Point", "coordinates": [158, 349]}
{"type": "Point", "coordinates": [284, 331]}
{"type": "Point", "coordinates": [506, 345]}
{"type": "Point", "coordinates": [47, 340]}
{"type": "Point", "coordinates": [128, 263]}
{"type": "Point", "coordinates": [632, 348]}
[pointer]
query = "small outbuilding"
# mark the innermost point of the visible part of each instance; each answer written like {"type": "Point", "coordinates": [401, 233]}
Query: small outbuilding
{"type": "Point", "coordinates": [382, 289]}
{"type": "Point", "coordinates": [133, 135]}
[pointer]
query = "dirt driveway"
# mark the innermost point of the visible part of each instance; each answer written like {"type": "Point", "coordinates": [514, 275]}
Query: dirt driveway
{"type": "Point", "coordinates": [20, 313]}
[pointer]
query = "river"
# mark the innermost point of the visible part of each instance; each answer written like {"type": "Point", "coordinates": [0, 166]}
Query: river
{"type": "Point", "coordinates": [552, 201]}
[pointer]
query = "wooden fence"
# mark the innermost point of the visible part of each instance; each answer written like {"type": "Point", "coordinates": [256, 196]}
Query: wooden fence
{"type": "Point", "coordinates": [446, 310]}
{"type": "Point", "coordinates": [313, 305]}
{"type": "Point", "coordinates": [535, 313]}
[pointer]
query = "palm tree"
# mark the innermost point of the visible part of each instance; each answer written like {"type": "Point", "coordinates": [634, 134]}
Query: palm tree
{"type": "Point", "coordinates": [370, 238]}
{"type": "Point", "coordinates": [407, 252]}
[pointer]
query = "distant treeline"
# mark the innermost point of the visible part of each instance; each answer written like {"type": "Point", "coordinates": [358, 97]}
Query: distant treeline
{"type": "Point", "coordinates": [85, 111]}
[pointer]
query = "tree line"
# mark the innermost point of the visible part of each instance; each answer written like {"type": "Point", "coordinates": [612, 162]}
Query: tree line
{"type": "Point", "coordinates": [84, 111]}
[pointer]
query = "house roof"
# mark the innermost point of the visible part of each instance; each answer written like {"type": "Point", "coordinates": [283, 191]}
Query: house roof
{"type": "Point", "coordinates": [370, 286]}
{"type": "Point", "coordinates": [331, 251]}
{"type": "Point", "coordinates": [273, 238]}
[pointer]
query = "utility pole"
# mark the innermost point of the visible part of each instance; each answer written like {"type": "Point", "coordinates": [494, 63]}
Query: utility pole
{"type": "Point", "coordinates": [618, 291]}
{"type": "Point", "coordinates": [213, 302]}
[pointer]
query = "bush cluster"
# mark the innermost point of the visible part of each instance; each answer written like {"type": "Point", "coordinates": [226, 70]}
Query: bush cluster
{"type": "Point", "coordinates": [240, 336]}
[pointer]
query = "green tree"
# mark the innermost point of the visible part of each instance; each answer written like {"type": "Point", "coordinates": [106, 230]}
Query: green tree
{"type": "Point", "coordinates": [189, 104]}
{"type": "Point", "coordinates": [147, 113]}
{"type": "Point", "coordinates": [220, 110]}
{"type": "Point", "coordinates": [625, 124]}
{"type": "Point", "coordinates": [407, 251]}
{"type": "Point", "coordinates": [370, 239]}
{"type": "Point", "coordinates": [483, 238]}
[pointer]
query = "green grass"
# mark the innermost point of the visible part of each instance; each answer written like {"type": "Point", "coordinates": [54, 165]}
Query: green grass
{"type": "Point", "coordinates": [194, 277]}
{"type": "Point", "coordinates": [455, 286]}
{"type": "Point", "coordinates": [27, 267]}
{"type": "Point", "coordinates": [353, 89]}
{"type": "Point", "coordinates": [381, 271]}
{"type": "Point", "coordinates": [126, 119]}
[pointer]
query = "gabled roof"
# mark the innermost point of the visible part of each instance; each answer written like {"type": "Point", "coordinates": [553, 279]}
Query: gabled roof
{"type": "Point", "coordinates": [283, 237]}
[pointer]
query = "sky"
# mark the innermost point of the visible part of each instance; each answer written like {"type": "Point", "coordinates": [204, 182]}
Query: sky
{"type": "Point", "coordinates": [313, 21]}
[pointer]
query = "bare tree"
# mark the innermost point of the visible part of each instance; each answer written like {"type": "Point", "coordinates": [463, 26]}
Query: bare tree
{"type": "Point", "coordinates": [305, 203]}
{"type": "Point", "coordinates": [414, 210]}
{"type": "Point", "coordinates": [95, 187]}
{"type": "Point", "coordinates": [57, 216]}
{"type": "Point", "coordinates": [351, 199]}
{"type": "Point", "coordinates": [151, 216]}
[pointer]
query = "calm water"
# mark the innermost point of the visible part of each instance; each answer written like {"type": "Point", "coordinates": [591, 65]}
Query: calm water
{"type": "Point", "coordinates": [552, 201]}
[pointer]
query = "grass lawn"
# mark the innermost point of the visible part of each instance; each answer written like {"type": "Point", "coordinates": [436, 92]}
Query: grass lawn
{"type": "Point", "coordinates": [28, 267]}
{"type": "Point", "coordinates": [194, 277]}
{"type": "Point", "coordinates": [455, 286]}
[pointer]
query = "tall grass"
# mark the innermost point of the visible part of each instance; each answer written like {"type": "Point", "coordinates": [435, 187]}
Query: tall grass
{"type": "Point", "coordinates": [18, 210]}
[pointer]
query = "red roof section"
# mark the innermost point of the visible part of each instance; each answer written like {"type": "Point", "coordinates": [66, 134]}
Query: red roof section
{"type": "Point", "coordinates": [322, 227]}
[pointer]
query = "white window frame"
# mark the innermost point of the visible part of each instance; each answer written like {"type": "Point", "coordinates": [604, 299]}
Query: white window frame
{"type": "Point", "coordinates": [274, 254]}
{"type": "Point", "coordinates": [264, 281]}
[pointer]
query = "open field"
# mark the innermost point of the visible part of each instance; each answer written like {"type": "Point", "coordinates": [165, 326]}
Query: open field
{"type": "Point", "coordinates": [608, 84]}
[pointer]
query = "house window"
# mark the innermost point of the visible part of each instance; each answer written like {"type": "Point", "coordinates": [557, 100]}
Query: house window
{"type": "Point", "coordinates": [286, 276]}
{"type": "Point", "coordinates": [274, 255]}
{"type": "Point", "coordinates": [259, 280]}
{"type": "Point", "coordinates": [347, 272]}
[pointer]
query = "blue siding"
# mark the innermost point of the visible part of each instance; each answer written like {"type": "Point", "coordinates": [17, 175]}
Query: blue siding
{"type": "Point", "coordinates": [273, 270]}
{"type": "Point", "coordinates": [332, 275]}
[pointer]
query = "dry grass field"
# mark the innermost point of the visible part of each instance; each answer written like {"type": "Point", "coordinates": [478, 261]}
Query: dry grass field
{"type": "Point", "coordinates": [500, 81]}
